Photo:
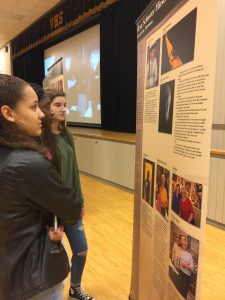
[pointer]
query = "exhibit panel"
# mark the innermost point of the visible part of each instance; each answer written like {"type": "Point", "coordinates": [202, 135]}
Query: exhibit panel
{"type": "Point", "coordinates": [176, 85]}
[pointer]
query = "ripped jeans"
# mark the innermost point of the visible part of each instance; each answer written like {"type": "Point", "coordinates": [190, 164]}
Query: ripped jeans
{"type": "Point", "coordinates": [78, 243]}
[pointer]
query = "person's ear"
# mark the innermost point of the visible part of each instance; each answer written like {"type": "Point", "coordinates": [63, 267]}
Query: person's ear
{"type": "Point", "coordinates": [7, 113]}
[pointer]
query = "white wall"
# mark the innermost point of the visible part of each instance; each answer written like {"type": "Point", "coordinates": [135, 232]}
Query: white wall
{"type": "Point", "coordinates": [110, 160]}
{"type": "Point", "coordinates": [216, 200]}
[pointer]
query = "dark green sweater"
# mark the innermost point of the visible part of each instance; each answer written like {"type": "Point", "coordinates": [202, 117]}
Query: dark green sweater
{"type": "Point", "coordinates": [68, 164]}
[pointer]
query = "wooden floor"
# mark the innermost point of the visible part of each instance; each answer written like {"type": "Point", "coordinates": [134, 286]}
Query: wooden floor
{"type": "Point", "coordinates": [108, 224]}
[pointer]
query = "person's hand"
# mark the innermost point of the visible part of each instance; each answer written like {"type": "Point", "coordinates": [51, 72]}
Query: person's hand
{"type": "Point", "coordinates": [82, 212]}
{"type": "Point", "coordinates": [186, 266]}
{"type": "Point", "coordinates": [57, 235]}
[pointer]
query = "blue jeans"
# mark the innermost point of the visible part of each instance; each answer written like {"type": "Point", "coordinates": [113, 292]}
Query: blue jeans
{"type": "Point", "coordinates": [54, 293]}
{"type": "Point", "coordinates": [78, 243]}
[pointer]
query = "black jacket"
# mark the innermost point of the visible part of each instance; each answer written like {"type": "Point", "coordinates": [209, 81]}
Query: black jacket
{"type": "Point", "coordinates": [30, 192]}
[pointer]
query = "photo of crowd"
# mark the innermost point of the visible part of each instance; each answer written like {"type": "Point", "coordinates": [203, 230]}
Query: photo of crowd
{"type": "Point", "coordinates": [183, 262]}
{"type": "Point", "coordinates": [187, 199]}
{"type": "Point", "coordinates": [152, 64]}
{"type": "Point", "coordinates": [148, 181]}
{"type": "Point", "coordinates": [162, 191]}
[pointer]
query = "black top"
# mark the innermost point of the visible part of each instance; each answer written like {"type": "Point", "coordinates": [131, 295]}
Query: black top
{"type": "Point", "coordinates": [30, 192]}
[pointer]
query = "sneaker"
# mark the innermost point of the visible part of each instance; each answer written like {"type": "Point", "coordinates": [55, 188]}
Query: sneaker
{"type": "Point", "coordinates": [77, 293]}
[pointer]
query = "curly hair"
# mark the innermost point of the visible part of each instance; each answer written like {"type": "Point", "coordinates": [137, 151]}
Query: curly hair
{"type": "Point", "coordinates": [12, 91]}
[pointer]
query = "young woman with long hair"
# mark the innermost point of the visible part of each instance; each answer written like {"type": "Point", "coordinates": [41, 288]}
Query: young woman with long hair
{"type": "Point", "coordinates": [33, 261]}
{"type": "Point", "coordinates": [60, 142]}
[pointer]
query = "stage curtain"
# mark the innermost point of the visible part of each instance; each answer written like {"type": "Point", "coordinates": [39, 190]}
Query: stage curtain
{"type": "Point", "coordinates": [28, 56]}
{"type": "Point", "coordinates": [119, 65]}
{"type": "Point", "coordinates": [30, 66]}
{"type": "Point", "coordinates": [41, 29]}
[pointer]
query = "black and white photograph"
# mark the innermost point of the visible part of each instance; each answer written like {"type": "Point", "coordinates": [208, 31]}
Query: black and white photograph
{"type": "Point", "coordinates": [166, 107]}
{"type": "Point", "coordinates": [152, 64]}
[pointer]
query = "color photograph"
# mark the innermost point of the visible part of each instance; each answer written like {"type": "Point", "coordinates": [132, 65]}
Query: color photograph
{"type": "Point", "coordinates": [55, 78]}
{"type": "Point", "coordinates": [179, 43]}
{"type": "Point", "coordinates": [187, 199]}
{"type": "Point", "coordinates": [183, 262]}
{"type": "Point", "coordinates": [148, 181]}
{"type": "Point", "coordinates": [162, 191]}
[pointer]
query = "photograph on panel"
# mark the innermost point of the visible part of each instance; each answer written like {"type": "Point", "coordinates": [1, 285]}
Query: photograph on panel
{"type": "Point", "coordinates": [148, 181]}
{"type": "Point", "coordinates": [179, 43]}
{"type": "Point", "coordinates": [183, 262]}
{"type": "Point", "coordinates": [187, 199]}
{"type": "Point", "coordinates": [166, 107]}
{"type": "Point", "coordinates": [162, 191]}
{"type": "Point", "coordinates": [152, 64]}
